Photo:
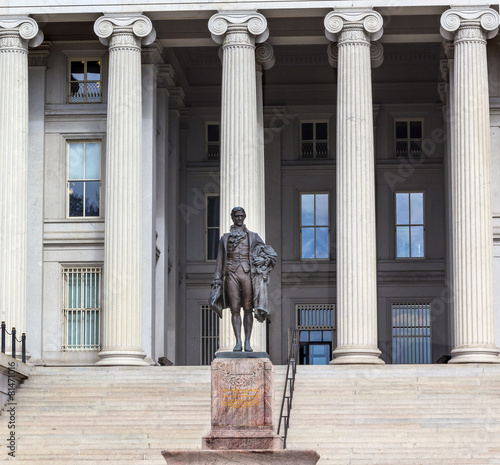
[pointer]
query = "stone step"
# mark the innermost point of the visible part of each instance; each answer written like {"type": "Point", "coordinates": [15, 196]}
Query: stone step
{"type": "Point", "coordinates": [391, 415]}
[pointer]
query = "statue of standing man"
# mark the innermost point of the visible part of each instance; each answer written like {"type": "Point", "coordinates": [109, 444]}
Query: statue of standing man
{"type": "Point", "coordinates": [241, 278]}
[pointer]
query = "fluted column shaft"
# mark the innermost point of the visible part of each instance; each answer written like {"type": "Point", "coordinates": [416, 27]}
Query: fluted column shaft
{"type": "Point", "coordinates": [241, 160]}
{"type": "Point", "coordinates": [15, 34]}
{"type": "Point", "coordinates": [356, 245]}
{"type": "Point", "coordinates": [474, 324]}
{"type": "Point", "coordinates": [123, 257]}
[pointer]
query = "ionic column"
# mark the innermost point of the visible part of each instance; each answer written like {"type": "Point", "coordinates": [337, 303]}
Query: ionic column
{"type": "Point", "coordinates": [474, 324]}
{"type": "Point", "coordinates": [356, 245]}
{"type": "Point", "coordinates": [123, 250]}
{"type": "Point", "coordinates": [242, 183]}
{"type": "Point", "coordinates": [16, 33]}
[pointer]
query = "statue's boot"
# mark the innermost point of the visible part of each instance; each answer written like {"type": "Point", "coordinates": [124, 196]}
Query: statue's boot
{"type": "Point", "coordinates": [248, 347]}
{"type": "Point", "coordinates": [237, 347]}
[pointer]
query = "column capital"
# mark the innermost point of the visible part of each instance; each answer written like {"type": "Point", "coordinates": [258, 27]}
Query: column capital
{"type": "Point", "coordinates": [25, 27]}
{"type": "Point", "coordinates": [254, 22]}
{"type": "Point", "coordinates": [138, 24]}
{"type": "Point", "coordinates": [264, 55]}
{"type": "Point", "coordinates": [369, 21]}
{"type": "Point", "coordinates": [457, 18]}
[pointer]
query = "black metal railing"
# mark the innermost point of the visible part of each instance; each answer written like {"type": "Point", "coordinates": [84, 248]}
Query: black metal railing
{"type": "Point", "coordinates": [291, 369]}
{"type": "Point", "coordinates": [14, 339]}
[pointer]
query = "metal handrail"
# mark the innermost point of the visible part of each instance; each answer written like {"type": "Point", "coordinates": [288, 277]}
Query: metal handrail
{"type": "Point", "coordinates": [293, 353]}
{"type": "Point", "coordinates": [14, 339]}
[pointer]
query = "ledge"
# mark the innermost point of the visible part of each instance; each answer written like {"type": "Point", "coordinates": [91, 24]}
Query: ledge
{"type": "Point", "coordinates": [19, 372]}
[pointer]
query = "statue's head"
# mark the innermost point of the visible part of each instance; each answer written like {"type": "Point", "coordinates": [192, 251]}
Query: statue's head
{"type": "Point", "coordinates": [238, 215]}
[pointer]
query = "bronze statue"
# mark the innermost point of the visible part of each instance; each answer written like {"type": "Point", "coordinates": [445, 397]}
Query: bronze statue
{"type": "Point", "coordinates": [241, 277]}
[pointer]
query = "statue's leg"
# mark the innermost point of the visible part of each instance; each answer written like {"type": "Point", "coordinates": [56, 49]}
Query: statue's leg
{"type": "Point", "coordinates": [236, 322]}
{"type": "Point", "coordinates": [247, 302]}
{"type": "Point", "coordinates": [234, 301]}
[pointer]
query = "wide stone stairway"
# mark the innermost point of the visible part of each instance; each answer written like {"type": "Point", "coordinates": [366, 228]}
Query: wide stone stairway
{"type": "Point", "coordinates": [398, 414]}
{"type": "Point", "coordinates": [391, 415]}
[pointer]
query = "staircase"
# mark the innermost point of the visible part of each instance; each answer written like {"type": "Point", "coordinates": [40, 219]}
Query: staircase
{"type": "Point", "coordinates": [398, 414]}
{"type": "Point", "coordinates": [112, 416]}
{"type": "Point", "coordinates": [380, 415]}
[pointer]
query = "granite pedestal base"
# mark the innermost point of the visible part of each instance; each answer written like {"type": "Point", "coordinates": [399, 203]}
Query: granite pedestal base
{"type": "Point", "coordinates": [242, 405]}
{"type": "Point", "coordinates": [242, 420]}
{"type": "Point", "coordinates": [247, 457]}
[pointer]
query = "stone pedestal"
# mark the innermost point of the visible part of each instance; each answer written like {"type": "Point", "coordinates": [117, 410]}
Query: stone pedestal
{"type": "Point", "coordinates": [242, 405]}
{"type": "Point", "coordinates": [249, 457]}
{"type": "Point", "coordinates": [242, 419]}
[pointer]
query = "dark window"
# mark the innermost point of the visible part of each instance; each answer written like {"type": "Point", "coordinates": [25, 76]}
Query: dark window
{"type": "Point", "coordinates": [212, 222]}
{"type": "Point", "coordinates": [84, 84]}
{"type": "Point", "coordinates": [314, 140]}
{"type": "Point", "coordinates": [408, 138]}
{"type": "Point", "coordinates": [213, 141]}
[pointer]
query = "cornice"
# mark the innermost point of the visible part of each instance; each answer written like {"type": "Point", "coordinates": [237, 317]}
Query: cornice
{"type": "Point", "coordinates": [152, 54]}
{"type": "Point", "coordinates": [166, 76]}
{"type": "Point", "coordinates": [39, 55]}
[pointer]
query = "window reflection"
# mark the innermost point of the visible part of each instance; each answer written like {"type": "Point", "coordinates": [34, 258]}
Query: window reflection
{"type": "Point", "coordinates": [84, 185]}
{"type": "Point", "coordinates": [410, 225]}
{"type": "Point", "coordinates": [314, 226]}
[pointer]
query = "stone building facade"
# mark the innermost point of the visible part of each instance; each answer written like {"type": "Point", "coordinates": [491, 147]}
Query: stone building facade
{"type": "Point", "coordinates": [363, 142]}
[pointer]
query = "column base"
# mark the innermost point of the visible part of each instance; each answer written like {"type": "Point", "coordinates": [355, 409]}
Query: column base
{"type": "Point", "coordinates": [475, 354]}
{"type": "Point", "coordinates": [122, 358]}
{"type": "Point", "coordinates": [356, 356]}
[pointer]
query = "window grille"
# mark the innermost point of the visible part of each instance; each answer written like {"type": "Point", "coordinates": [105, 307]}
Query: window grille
{"type": "Point", "coordinates": [209, 334]}
{"type": "Point", "coordinates": [408, 138]}
{"type": "Point", "coordinates": [411, 333]}
{"type": "Point", "coordinates": [314, 139]}
{"type": "Point", "coordinates": [212, 226]}
{"type": "Point", "coordinates": [410, 227]}
{"type": "Point", "coordinates": [84, 179]}
{"type": "Point", "coordinates": [213, 141]}
{"type": "Point", "coordinates": [315, 241]}
{"type": "Point", "coordinates": [82, 308]}
{"type": "Point", "coordinates": [84, 83]}
{"type": "Point", "coordinates": [315, 316]}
